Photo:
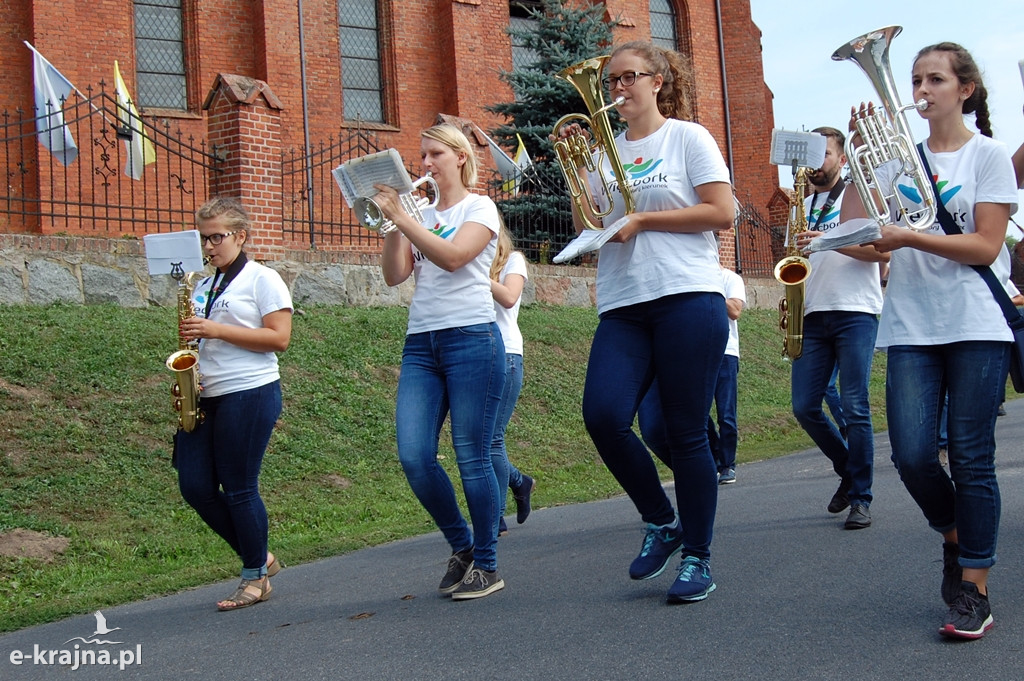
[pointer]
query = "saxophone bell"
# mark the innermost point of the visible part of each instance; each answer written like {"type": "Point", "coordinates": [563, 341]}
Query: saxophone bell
{"type": "Point", "coordinates": [184, 363]}
{"type": "Point", "coordinates": [792, 271]}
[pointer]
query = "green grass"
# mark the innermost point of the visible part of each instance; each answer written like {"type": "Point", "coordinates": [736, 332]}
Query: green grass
{"type": "Point", "coordinates": [86, 424]}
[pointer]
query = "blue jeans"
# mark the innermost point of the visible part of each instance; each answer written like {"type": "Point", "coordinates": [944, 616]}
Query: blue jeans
{"type": "Point", "coordinates": [972, 374]}
{"type": "Point", "coordinates": [834, 402]}
{"type": "Point", "coordinates": [722, 440]}
{"type": "Point", "coordinates": [506, 474]}
{"type": "Point", "coordinates": [680, 340]}
{"type": "Point", "coordinates": [219, 467]}
{"type": "Point", "coordinates": [458, 370]}
{"type": "Point", "coordinates": [846, 338]}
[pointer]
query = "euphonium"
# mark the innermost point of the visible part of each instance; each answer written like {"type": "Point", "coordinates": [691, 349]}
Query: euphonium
{"type": "Point", "coordinates": [577, 151]}
{"type": "Point", "coordinates": [185, 362]}
{"type": "Point", "coordinates": [792, 271]}
{"type": "Point", "coordinates": [886, 136]}
{"type": "Point", "coordinates": [372, 217]}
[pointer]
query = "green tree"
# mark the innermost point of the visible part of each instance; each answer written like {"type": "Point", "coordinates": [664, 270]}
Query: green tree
{"type": "Point", "coordinates": [558, 36]}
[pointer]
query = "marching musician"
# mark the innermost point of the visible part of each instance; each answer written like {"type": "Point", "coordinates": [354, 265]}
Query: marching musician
{"type": "Point", "coordinates": [944, 331]}
{"type": "Point", "coordinates": [454, 358]}
{"type": "Point", "coordinates": [244, 318]}
{"type": "Point", "coordinates": [843, 296]}
{"type": "Point", "coordinates": [662, 311]}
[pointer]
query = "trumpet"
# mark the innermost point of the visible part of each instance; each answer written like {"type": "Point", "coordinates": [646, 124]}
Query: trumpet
{"type": "Point", "coordinates": [576, 151]}
{"type": "Point", "coordinates": [372, 217]}
{"type": "Point", "coordinates": [886, 137]}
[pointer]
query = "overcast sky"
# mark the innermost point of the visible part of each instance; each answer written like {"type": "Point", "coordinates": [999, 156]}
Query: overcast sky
{"type": "Point", "coordinates": [799, 37]}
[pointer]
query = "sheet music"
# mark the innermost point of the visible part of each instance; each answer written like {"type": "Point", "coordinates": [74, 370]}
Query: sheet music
{"type": "Point", "coordinates": [165, 250]}
{"type": "Point", "coordinates": [589, 240]}
{"type": "Point", "coordinates": [851, 233]}
{"type": "Point", "coordinates": [357, 176]}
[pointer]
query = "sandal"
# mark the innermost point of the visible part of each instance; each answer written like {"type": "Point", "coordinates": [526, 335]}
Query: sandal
{"type": "Point", "coordinates": [249, 592]}
{"type": "Point", "coordinates": [273, 564]}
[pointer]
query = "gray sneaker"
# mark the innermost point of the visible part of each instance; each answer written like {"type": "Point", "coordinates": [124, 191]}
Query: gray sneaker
{"type": "Point", "coordinates": [459, 566]}
{"type": "Point", "coordinates": [477, 584]}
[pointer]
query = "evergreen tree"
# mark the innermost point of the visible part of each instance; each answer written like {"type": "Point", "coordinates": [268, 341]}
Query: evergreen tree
{"type": "Point", "coordinates": [559, 36]}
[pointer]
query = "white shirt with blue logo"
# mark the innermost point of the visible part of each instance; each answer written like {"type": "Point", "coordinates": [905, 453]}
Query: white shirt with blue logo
{"type": "Point", "coordinates": [931, 300]}
{"type": "Point", "coordinates": [445, 300]}
{"type": "Point", "coordinates": [664, 169]}
{"type": "Point", "coordinates": [838, 282]}
{"type": "Point", "coordinates": [253, 294]}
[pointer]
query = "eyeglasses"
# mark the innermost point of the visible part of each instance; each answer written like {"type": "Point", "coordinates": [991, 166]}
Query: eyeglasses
{"type": "Point", "coordinates": [627, 79]}
{"type": "Point", "coordinates": [216, 239]}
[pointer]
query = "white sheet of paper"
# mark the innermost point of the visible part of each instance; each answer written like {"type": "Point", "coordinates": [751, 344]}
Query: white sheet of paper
{"type": "Point", "coordinates": [850, 233]}
{"type": "Point", "coordinates": [807, 149]}
{"type": "Point", "coordinates": [163, 250]}
{"type": "Point", "coordinates": [589, 240]}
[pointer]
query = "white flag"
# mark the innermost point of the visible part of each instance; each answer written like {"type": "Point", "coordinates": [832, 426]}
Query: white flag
{"type": "Point", "coordinates": [51, 89]}
{"type": "Point", "coordinates": [509, 170]}
{"type": "Point", "coordinates": [138, 148]}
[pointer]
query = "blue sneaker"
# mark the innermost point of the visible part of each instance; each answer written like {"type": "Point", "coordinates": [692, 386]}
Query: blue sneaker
{"type": "Point", "coordinates": [693, 583]}
{"type": "Point", "coordinates": [660, 544]}
{"type": "Point", "coordinates": [727, 477]}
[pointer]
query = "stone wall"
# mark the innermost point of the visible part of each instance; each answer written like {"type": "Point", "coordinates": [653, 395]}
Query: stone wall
{"type": "Point", "coordinates": [55, 269]}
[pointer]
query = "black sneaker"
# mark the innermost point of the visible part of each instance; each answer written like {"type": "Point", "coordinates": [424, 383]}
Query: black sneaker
{"type": "Point", "coordinates": [859, 518]}
{"type": "Point", "coordinates": [458, 566]}
{"type": "Point", "coordinates": [477, 584]}
{"type": "Point", "coordinates": [522, 496]}
{"type": "Point", "coordinates": [660, 544]}
{"type": "Point", "coordinates": [969, 615]}
{"type": "Point", "coordinates": [952, 573]}
{"type": "Point", "coordinates": [840, 501]}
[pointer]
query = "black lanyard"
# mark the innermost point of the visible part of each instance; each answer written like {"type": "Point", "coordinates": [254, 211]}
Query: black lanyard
{"type": "Point", "coordinates": [833, 195]}
{"type": "Point", "coordinates": [232, 272]}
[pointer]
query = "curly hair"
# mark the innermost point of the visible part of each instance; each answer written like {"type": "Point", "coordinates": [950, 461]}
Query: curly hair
{"type": "Point", "coordinates": [676, 74]}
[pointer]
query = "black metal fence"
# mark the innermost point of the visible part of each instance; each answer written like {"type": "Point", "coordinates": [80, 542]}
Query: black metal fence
{"type": "Point", "coordinates": [93, 195]}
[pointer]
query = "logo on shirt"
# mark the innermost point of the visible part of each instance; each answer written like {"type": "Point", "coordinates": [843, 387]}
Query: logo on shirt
{"type": "Point", "coordinates": [814, 218]}
{"type": "Point", "coordinates": [910, 191]}
{"type": "Point", "coordinates": [443, 231]}
{"type": "Point", "coordinates": [640, 168]}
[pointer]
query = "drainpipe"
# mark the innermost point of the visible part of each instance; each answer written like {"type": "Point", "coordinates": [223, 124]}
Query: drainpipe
{"type": "Point", "coordinates": [305, 129]}
{"type": "Point", "coordinates": [728, 118]}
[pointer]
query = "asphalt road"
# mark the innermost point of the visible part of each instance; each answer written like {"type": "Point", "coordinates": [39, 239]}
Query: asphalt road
{"type": "Point", "coordinates": [798, 598]}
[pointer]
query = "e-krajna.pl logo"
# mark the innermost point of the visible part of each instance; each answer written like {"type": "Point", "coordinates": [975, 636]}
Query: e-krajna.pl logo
{"type": "Point", "coordinates": [82, 654]}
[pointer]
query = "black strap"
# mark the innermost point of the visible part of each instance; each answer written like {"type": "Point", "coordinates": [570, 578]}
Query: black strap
{"type": "Point", "coordinates": [1012, 314]}
{"type": "Point", "coordinates": [233, 269]}
{"type": "Point", "coordinates": [833, 196]}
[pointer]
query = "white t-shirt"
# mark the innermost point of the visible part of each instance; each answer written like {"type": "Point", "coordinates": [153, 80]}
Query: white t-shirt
{"type": "Point", "coordinates": [837, 281]}
{"type": "Point", "coordinates": [734, 288]}
{"type": "Point", "coordinates": [253, 294]}
{"type": "Point", "coordinates": [665, 168]}
{"type": "Point", "coordinates": [932, 300]}
{"type": "Point", "coordinates": [508, 317]}
{"type": "Point", "coordinates": [444, 300]}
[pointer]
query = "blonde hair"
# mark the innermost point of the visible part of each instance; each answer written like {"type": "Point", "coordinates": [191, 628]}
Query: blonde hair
{"type": "Point", "coordinates": [676, 77]}
{"type": "Point", "coordinates": [504, 249]}
{"type": "Point", "coordinates": [229, 208]}
{"type": "Point", "coordinates": [453, 138]}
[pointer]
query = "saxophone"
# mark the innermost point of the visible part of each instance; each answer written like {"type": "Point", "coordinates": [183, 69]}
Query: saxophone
{"type": "Point", "coordinates": [792, 271]}
{"type": "Point", "coordinates": [185, 362]}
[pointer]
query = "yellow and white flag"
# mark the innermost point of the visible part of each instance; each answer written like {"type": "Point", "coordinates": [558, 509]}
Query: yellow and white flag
{"type": "Point", "coordinates": [138, 148]}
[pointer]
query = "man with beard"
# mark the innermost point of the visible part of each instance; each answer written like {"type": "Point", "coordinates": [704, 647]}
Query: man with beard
{"type": "Point", "coordinates": [842, 300]}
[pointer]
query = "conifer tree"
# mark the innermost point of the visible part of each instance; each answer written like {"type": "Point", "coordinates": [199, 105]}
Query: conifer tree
{"type": "Point", "coordinates": [559, 36]}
